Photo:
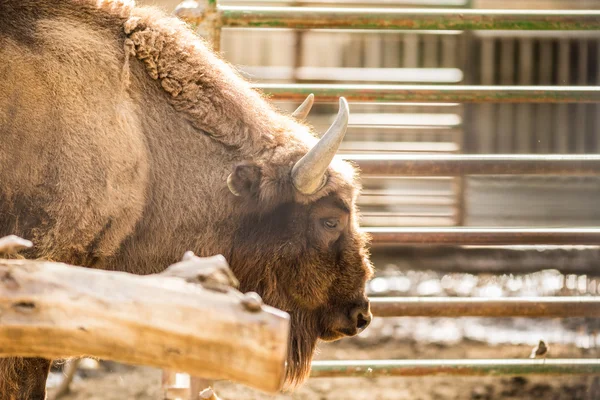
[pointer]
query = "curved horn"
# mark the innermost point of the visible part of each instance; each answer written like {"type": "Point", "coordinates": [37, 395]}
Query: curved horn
{"type": "Point", "coordinates": [304, 108]}
{"type": "Point", "coordinates": [308, 174]}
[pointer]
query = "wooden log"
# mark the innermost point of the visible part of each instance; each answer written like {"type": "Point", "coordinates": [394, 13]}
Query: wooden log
{"type": "Point", "coordinates": [54, 310]}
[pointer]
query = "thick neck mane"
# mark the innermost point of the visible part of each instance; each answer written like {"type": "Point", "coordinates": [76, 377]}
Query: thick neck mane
{"type": "Point", "coordinates": [210, 94]}
{"type": "Point", "coordinates": [204, 88]}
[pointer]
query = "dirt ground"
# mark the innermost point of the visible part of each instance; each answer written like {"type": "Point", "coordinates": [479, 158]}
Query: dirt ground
{"type": "Point", "coordinates": [125, 382]}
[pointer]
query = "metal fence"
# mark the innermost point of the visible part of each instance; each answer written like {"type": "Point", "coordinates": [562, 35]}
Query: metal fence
{"type": "Point", "coordinates": [211, 17]}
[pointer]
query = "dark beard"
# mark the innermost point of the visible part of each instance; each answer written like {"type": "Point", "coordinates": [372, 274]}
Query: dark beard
{"type": "Point", "coordinates": [303, 342]}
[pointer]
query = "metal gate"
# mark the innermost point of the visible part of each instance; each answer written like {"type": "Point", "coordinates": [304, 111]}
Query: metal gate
{"type": "Point", "coordinates": [211, 17]}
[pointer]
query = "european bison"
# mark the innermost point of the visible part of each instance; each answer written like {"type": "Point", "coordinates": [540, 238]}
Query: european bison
{"type": "Point", "coordinates": [125, 142]}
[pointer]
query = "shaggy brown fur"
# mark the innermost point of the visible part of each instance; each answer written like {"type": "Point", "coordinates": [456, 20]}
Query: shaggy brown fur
{"type": "Point", "coordinates": [119, 129]}
{"type": "Point", "coordinates": [21, 379]}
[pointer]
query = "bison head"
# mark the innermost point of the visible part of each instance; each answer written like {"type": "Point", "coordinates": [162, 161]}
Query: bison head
{"type": "Point", "coordinates": [298, 243]}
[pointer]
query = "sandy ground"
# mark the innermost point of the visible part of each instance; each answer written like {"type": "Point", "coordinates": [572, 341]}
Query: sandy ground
{"type": "Point", "coordinates": [125, 382]}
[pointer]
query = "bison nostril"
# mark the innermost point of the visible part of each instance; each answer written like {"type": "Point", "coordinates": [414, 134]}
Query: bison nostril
{"type": "Point", "coordinates": [361, 316]}
{"type": "Point", "coordinates": [363, 321]}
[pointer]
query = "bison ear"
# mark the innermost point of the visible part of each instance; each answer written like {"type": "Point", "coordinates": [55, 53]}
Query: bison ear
{"type": "Point", "coordinates": [245, 179]}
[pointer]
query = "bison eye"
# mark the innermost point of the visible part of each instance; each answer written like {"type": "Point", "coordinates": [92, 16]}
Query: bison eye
{"type": "Point", "coordinates": [331, 223]}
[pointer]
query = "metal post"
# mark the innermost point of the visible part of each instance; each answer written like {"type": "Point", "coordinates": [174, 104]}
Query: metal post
{"type": "Point", "coordinates": [502, 367]}
{"type": "Point", "coordinates": [459, 184]}
{"type": "Point", "coordinates": [451, 307]}
{"type": "Point", "coordinates": [205, 17]}
{"type": "Point", "coordinates": [597, 126]}
{"type": "Point", "coordinates": [213, 25]}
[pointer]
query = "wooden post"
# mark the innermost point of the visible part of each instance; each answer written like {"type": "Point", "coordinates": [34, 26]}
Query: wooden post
{"type": "Point", "coordinates": [166, 320]}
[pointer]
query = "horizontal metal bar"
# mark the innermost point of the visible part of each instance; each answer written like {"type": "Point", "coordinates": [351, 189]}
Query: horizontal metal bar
{"type": "Point", "coordinates": [458, 165]}
{"type": "Point", "coordinates": [348, 74]}
{"type": "Point", "coordinates": [536, 35]}
{"type": "Point", "coordinates": [433, 93]}
{"type": "Point", "coordinates": [530, 307]}
{"type": "Point", "coordinates": [363, 146]}
{"type": "Point", "coordinates": [406, 19]}
{"type": "Point", "coordinates": [364, 201]}
{"type": "Point", "coordinates": [337, 3]}
{"type": "Point", "coordinates": [405, 193]}
{"type": "Point", "coordinates": [449, 120]}
{"type": "Point", "coordinates": [379, 32]}
{"type": "Point", "coordinates": [501, 367]}
{"type": "Point", "coordinates": [505, 260]}
{"type": "Point", "coordinates": [483, 236]}
{"type": "Point", "coordinates": [395, 214]}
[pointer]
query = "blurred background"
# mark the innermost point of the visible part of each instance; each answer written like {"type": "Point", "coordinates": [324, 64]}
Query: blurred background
{"type": "Point", "coordinates": [445, 57]}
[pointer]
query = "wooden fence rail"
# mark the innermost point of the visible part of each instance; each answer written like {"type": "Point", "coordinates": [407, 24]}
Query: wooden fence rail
{"type": "Point", "coordinates": [167, 320]}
